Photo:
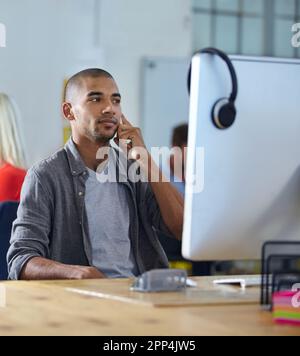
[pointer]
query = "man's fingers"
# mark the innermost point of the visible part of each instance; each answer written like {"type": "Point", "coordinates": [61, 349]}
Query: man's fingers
{"type": "Point", "coordinates": [125, 121]}
{"type": "Point", "coordinates": [124, 128]}
{"type": "Point", "coordinates": [126, 134]}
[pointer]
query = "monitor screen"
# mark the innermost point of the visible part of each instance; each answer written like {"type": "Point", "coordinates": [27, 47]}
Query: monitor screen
{"type": "Point", "coordinates": [242, 183]}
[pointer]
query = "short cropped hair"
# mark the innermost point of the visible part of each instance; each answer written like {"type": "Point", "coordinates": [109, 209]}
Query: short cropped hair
{"type": "Point", "coordinates": [76, 80]}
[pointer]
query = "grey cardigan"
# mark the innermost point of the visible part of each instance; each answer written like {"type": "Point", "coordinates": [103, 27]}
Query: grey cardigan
{"type": "Point", "coordinates": [52, 220]}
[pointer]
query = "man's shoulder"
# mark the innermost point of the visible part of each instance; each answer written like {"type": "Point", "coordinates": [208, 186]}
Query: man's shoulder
{"type": "Point", "coordinates": [52, 165]}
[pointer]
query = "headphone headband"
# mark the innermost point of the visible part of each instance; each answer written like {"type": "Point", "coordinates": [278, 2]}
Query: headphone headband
{"type": "Point", "coordinates": [224, 111]}
{"type": "Point", "coordinates": [226, 59]}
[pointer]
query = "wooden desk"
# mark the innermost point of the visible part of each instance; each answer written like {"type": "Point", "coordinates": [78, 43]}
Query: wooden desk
{"type": "Point", "coordinates": [48, 308]}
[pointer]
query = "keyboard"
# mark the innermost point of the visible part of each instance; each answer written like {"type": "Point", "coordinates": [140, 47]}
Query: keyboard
{"type": "Point", "coordinates": [243, 282]}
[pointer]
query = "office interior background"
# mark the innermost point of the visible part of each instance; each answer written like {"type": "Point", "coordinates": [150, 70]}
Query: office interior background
{"type": "Point", "coordinates": [146, 45]}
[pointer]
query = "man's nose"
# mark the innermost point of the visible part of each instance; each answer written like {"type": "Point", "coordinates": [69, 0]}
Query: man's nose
{"type": "Point", "coordinates": [108, 110]}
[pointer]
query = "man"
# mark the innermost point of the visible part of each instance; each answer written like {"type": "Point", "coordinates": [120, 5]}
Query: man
{"type": "Point", "coordinates": [69, 225]}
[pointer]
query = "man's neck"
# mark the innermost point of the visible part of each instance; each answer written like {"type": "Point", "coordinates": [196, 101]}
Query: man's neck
{"type": "Point", "coordinates": [88, 151]}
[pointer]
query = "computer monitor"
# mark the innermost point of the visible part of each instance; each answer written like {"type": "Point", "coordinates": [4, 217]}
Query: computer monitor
{"type": "Point", "coordinates": [251, 171]}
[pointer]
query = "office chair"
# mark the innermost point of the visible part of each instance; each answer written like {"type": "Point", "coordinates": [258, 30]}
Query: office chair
{"type": "Point", "coordinates": [8, 213]}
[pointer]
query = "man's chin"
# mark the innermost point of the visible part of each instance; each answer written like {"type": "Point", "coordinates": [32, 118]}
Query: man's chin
{"type": "Point", "coordinates": [100, 138]}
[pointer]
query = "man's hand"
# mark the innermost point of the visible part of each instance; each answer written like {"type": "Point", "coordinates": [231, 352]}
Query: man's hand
{"type": "Point", "coordinates": [80, 272]}
{"type": "Point", "coordinates": [168, 198]}
{"type": "Point", "coordinates": [127, 132]}
{"type": "Point", "coordinates": [39, 268]}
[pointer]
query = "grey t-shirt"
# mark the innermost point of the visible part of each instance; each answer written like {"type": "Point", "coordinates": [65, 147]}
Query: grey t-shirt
{"type": "Point", "coordinates": [109, 227]}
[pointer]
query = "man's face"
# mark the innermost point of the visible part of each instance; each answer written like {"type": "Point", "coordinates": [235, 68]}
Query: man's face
{"type": "Point", "coordinates": [96, 108]}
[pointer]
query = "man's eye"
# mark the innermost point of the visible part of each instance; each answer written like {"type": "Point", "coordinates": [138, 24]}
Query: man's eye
{"type": "Point", "coordinates": [117, 101]}
{"type": "Point", "coordinates": [94, 100]}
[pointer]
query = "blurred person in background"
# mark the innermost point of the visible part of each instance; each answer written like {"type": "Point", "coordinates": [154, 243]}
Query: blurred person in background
{"type": "Point", "coordinates": [12, 158]}
{"type": "Point", "coordinates": [175, 167]}
{"type": "Point", "coordinates": [179, 140]}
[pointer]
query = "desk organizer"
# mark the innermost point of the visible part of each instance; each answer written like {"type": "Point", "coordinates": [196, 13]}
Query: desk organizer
{"type": "Point", "coordinates": [280, 284]}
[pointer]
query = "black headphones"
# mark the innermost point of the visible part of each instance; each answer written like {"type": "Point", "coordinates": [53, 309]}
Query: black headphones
{"type": "Point", "coordinates": [224, 111]}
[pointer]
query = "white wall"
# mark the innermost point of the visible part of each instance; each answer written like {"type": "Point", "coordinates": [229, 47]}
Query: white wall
{"type": "Point", "coordinates": [133, 29]}
{"type": "Point", "coordinates": [50, 39]}
{"type": "Point", "coordinates": [44, 40]}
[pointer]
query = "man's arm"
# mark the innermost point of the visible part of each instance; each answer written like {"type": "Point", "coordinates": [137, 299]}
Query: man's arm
{"type": "Point", "coordinates": [169, 200]}
{"type": "Point", "coordinates": [30, 233]}
{"type": "Point", "coordinates": [29, 250]}
{"type": "Point", "coordinates": [39, 268]}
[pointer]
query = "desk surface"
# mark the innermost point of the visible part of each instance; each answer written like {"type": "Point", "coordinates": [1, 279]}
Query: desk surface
{"type": "Point", "coordinates": [48, 308]}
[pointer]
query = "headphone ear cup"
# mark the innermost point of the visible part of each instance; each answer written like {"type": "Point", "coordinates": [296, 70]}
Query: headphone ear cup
{"type": "Point", "coordinates": [223, 114]}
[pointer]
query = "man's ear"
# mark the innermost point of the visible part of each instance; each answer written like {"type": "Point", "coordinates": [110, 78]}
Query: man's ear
{"type": "Point", "coordinates": [68, 111]}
